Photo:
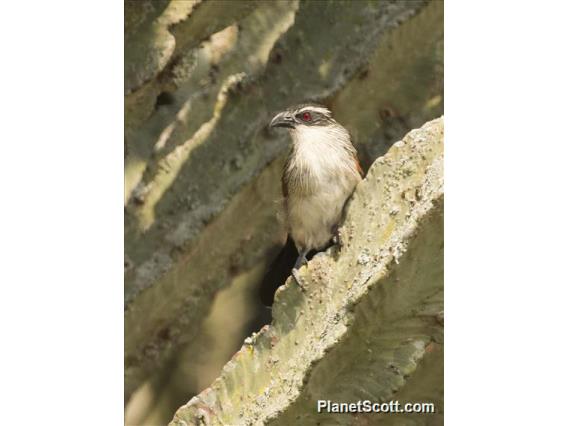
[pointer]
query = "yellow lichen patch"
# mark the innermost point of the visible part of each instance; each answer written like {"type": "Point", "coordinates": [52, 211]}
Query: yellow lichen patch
{"type": "Point", "coordinates": [133, 170]}
{"type": "Point", "coordinates": [433, 102]}
{"type": "Point", "coordinates": [324, 68]}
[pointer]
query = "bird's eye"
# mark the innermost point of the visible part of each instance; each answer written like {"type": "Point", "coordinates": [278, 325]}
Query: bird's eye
{"type": "Point", "coordinates": [306, 116]}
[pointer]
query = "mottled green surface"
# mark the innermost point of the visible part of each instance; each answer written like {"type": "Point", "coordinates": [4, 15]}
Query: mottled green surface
{"type": "Point", "coordinates": [369, 325]}
{"type": "Point", "coordinates": [201, 169]}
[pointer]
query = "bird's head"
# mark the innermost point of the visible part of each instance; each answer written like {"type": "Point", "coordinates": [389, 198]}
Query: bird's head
{"type": "Point", "coordinates": [316, 135]}
{"type": "Point", "coordinates": [303, 116]}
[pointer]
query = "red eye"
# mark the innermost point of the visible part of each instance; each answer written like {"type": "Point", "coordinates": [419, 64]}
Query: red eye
{"type": "Point", "coordinates": [307, 116]}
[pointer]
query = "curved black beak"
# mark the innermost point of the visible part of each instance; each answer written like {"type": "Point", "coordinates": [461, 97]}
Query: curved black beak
{"type": "Point", "coordinates": [283, 119]}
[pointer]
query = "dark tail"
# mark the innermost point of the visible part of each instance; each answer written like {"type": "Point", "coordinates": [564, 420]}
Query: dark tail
{"type": "Point", "coordinates": [278, 272]}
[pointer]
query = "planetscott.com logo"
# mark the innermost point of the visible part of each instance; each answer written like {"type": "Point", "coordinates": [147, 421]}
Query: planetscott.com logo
{"type": "Point", "coordinates": [374, 407]}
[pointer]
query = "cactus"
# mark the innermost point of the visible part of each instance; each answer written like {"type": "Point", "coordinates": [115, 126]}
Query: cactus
{"type": "Point", "coordinates": [370, 324]}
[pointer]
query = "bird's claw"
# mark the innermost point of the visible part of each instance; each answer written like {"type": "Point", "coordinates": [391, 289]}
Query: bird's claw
{"type": "Point", "coordinates": [296, 276]}
{"type": "Point", "coordinates": [300, 261]}
{"type": "Point", "coordinates": [336, 238]}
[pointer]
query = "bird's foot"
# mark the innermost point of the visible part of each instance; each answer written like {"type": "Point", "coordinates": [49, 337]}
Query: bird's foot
{"type": "Point", "coordinates": [301, 260]}
{"type": "Point", "coordinates": [296, 276]}
{"type": "Point", "coordinates": [336, 238]}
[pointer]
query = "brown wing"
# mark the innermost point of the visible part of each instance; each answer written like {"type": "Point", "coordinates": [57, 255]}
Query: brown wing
{"type": "Point", "coordinates": [284, 178]}
{"type": "Point", "coordinates": [353, 151]}
{"type": "Point", "coordinates": [358, 165]}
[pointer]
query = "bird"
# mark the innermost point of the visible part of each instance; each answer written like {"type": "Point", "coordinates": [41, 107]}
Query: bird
{"type": "Point", "coordinates": [319, 176]}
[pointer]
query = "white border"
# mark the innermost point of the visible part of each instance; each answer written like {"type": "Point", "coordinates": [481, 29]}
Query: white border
{"type": "Point", "coordinates": [61, 238]}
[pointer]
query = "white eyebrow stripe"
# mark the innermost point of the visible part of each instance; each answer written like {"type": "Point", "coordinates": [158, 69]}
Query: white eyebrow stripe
{"type": "Point", "coordinates": [315, 109]}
